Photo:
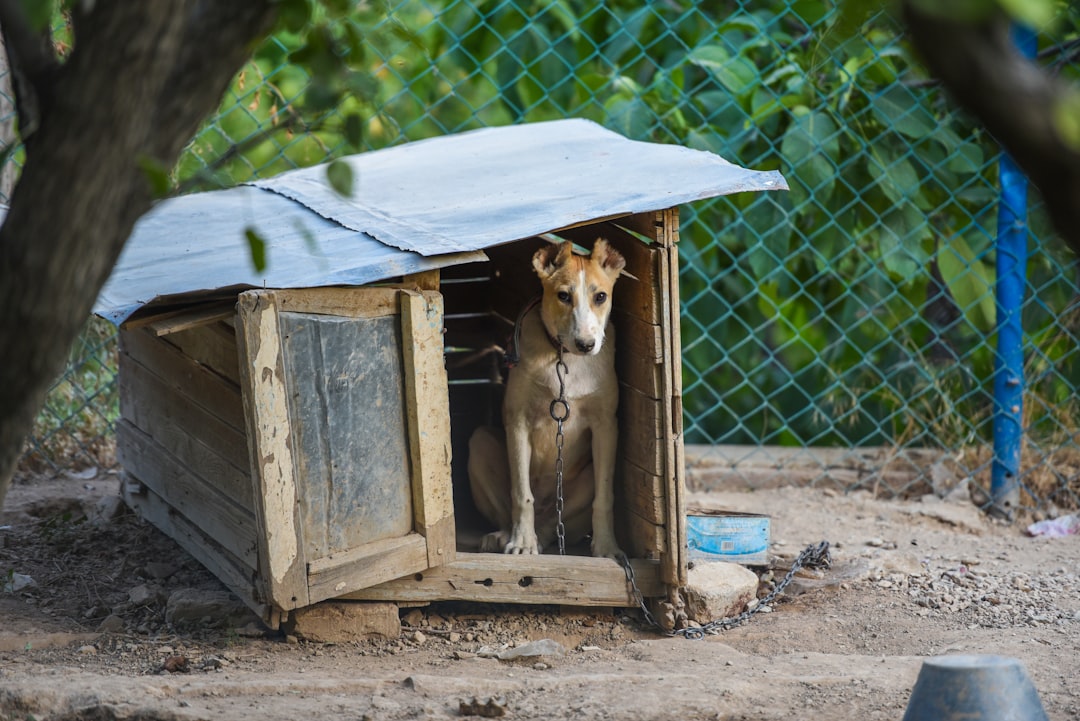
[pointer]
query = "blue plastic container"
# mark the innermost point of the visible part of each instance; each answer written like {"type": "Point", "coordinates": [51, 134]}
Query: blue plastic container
{"type": "Point", "coordinates": [713, 535]}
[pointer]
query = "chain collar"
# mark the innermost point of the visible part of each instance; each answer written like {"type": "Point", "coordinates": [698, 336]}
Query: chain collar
{"type": "Point", "coordinates": [512, 356]}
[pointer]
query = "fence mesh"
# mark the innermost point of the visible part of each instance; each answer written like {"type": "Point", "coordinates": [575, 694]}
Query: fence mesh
{"type": "Point", "coordinates": [840, 334]}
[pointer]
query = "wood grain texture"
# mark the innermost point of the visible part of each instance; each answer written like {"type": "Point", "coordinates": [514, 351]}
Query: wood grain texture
{"type": "Point", "coordinates": [282, 567]}
{"type": "Point", "coordinates": [674, 559]}
{"type": "Point", "coordinates": [212, 448]}
{"type": "Point", "coordinates": [367, 565]}
{"type": "Point", "coordinates": [347, 302]}
{"type": "Point", "coordinates": [203, 505]}
{"type": "Point", "coordinates": [212, 345]}
{"type": "Point", "coordinates": [230, 570]}
{"type": "Point", "coordinates": [428, 412]}
{"type": "Point", "coordinates": [498, 578]}
{"type": "Point", "coordinates": [200, 385]}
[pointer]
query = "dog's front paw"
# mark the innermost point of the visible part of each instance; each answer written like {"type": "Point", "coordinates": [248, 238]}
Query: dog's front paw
{"type": "Point", "coordinates": [522, 542]}
{"type": "Point", "coordinates": [606, 547]}
{"type": "Point", "coordinates": [494, 542]}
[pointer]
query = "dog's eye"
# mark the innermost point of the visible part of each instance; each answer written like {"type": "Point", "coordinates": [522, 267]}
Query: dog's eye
{"type": "Point", "coordinates": [600, 298]}
{"type": "Point", "coordinates": [564, 296]}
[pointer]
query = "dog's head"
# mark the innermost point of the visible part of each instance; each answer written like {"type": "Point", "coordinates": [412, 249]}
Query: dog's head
{"type": "Point", "coordinates": [577, 293]}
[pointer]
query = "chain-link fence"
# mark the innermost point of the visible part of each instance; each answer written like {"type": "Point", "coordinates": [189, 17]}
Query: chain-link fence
{"type": "Point", "coordinates": [842, 333]}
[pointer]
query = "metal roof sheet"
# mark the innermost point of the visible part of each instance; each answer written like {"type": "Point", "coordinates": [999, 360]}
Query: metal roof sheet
{"type": "Point", "coordinates": [418, 206]}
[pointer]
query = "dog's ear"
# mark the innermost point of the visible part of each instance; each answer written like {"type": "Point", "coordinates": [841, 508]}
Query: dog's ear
{"type": "Point", "coordinates": [550, 258]}
{"type": "Point", "coordinates": [609, 259]}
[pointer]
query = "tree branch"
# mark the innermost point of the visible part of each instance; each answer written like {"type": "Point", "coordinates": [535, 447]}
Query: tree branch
{"type": "Point", "coordinates": [1014, 99]}
{"type": "Point", "coordinates": [31, 61]}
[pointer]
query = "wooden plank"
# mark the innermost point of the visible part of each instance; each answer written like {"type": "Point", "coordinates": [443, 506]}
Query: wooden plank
{"type": "Point", "coordinates": [367, 565]}
{"type": "Point", "coordinates": [191, 318]}
{"type": "Point", "coordinates": [347, 302]}
{"type": "Point", "coordinates": [667, 227]}
{"type": "Point", "coordinates": [673, 563]}
{"type": "Point", "coordinates": [282, 566]}
{"type": "Point", "coordinates": [212, 345]}
{"type": "Point", "coordinates": [212, 449]}
{"type": "Point", "coordinates": [498, 578]}
{"type": "Point", "coordinates": [202, 386]}
{"type": "Point", "coordinates": [647, 539]}
{"type": "Point", "coordinates": [202, 504]}
{"type": "Point", "coordinates": [643, 223]}
{"type": "Point", "coordinates": [641, 430]}
{"type": "Point", "coordinates": [230, 570]}
{"type": "Point", "coordinates": [643, 492]}
{"type": "Point", "coordinates": [639, 354]}
{"type": "Point", "coordinates": [428, 420]}
{"type": "Point", "coordinates": [142, 392]}
{"type": "Point", "coordinates": [642, 510]}
{"type": "Point", "coordinates": [424, 280]}
{"type": "Point", "coordinates": [163, 317]}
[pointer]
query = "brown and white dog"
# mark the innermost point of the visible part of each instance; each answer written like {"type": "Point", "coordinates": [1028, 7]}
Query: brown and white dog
{"type": "Point", "coordinates": [512, 475]}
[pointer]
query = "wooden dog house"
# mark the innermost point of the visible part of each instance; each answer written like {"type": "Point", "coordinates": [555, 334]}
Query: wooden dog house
{"type": "Point", "coordinates": [302, 430]}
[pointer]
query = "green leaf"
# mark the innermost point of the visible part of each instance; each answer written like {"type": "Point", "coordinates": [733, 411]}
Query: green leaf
{"type": "Point", "coordinates": [1037, 14]}
{"type": "Point", "coordinates": [353, 130]}
{"type": "Point", "coordinates": [258, 248]}
{"type": "Point", "coordinates": [899, 182]}
{"type": "Point", "coordinates": [294, 15]}
{"type": "Point", "coordinates": [156, 174]}
{"type": "Point", "coordinates": [340, 176]}
{"type": "Point", "coordinates": [737, 74]}
{"type": "Point", "coordinates": [38, 13]}
{"type": "Point", "coordinates": [971, 282]}
{"type": "Point", "coordinates": [899, 109]}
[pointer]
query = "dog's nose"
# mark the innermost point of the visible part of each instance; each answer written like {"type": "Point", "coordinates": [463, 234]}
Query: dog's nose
{"type": "Point", "coordinates": [585, 345]}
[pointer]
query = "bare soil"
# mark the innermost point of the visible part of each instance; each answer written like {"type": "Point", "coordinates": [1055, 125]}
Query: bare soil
{"type": "Point", "coordinates": [89, 638]}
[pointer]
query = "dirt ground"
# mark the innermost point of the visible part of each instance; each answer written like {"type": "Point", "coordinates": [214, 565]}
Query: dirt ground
{"type": "Point", "coordinates": [95, 634]}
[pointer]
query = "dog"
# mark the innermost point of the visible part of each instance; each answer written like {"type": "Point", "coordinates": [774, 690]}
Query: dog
{"type": "Point", "coordinates": [512, 473]}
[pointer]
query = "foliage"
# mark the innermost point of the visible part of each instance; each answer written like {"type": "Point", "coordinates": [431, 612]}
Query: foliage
{"type": "Point", "coordinates": [855, 309]}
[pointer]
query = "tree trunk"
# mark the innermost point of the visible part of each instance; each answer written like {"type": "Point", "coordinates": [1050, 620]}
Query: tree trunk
{"type": "Point", "coordinates": [8, 171]}
{"type": "Point", "coordinates": [1011, 96]}
{"type": "Point", "coordinates": [140, 79]}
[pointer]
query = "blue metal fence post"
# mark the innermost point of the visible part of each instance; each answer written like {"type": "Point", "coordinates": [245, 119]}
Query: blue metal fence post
{"type": "Point", "coordinates": [1012, 243]}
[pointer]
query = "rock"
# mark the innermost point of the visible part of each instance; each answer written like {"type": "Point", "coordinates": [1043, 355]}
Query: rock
{"type": "Point", "coordinates": [106, 510]}
{"type": "Point", "coordinates": [413, 618]}
{"type": "Point", "coordinates": [906, 563]}
{"type": "Point", "coordinates": [966, 517]}
{"type": "Point", "coordinates": [159, 570]}
{"type": "Point", "coordinates": [718, 589]}
{"type": "Point", "coordinates": [343, 621]}
{"type": "Point", "coordinates": [176, 664]}
{"type": "Point", "coordinates": [533, 649]}
{"type": "Point", "coordinates": [192, 605]}
{"type": "Point", "coordinates": [144, 595]}
{"type": "Point", "coordinates": [88, 650]}
{"type": "Point", "coordinates": [494, 707]}
{"type": "Point", "coordinates": [111, 624]}
{"type": "Point", "coordinates": [17, 582]}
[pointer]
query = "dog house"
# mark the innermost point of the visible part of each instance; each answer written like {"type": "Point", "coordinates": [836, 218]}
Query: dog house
{"type": "Point", "coordinates": [302, 430]}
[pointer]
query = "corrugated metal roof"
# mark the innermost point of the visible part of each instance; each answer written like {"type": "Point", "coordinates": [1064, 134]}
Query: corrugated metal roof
{"type": "Point", "coordinates": [426, 204]}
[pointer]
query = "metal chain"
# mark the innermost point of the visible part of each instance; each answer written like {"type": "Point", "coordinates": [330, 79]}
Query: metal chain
{"type": "Point", "coordinates": [813, 556]}
{"type": "Point", "coordinates": [560, 411]}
